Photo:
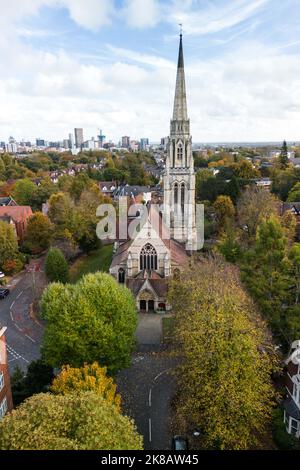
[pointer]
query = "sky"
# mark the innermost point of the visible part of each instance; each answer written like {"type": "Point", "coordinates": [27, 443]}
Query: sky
{"type": "Point", "coordinates": [111, 65]}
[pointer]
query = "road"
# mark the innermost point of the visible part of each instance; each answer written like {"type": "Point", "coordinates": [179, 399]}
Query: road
{"type": "Point", "coordinates": [147, 388]}
{"type": "Point", "coordinates": [23, 335]}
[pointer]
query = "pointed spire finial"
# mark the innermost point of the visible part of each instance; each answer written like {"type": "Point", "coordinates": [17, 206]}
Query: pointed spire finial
{"type": "Point", "coordinates": [181, 28]}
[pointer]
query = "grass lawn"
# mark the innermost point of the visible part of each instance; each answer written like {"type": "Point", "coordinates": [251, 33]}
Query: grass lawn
{"type": "Point", "coordinates": [168, 327]}
{"type": "Point", "coordinates": [99, 260]}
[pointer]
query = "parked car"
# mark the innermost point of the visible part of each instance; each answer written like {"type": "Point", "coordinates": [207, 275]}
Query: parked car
{"type": "Point", "coordinates": [179, 443]}
{"type": "Point", "coordinates": [3, 293]}
{"type": "Point", "coordinates": [2, 275]}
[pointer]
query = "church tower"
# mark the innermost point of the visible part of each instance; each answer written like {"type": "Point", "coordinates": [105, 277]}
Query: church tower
{"type": "Point", "coordinates": [179, 177]}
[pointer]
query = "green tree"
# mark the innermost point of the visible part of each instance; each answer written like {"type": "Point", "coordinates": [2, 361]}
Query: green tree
{"type": "Point", "coordinates": [93, 320]}
{"type": "Point", "coordinates": [8, 243]}
{"type": "Point", "coordinates": [90, 377]}
{"type": "Point", "coordinates": [56, 266]}
{"type": "Point", "coordinates": [264, 270]}
{"type": "Point", "coordinates": [37, 379]}
{"type": "Point", "coordinates": [224, 380]}
{"type": "Point", "coordinates": [283, 159]}
{"type": "Point", "coordinates": [245, 170]}
{"type": "Point", "coordinates": [228, 244]}
{"type": "Point", "coordinates": [24, 192]}
{"type": "Point", "coordinates": [62, 215]}
{"type": "Point", "coordinates": [294, 194]}
{"type": "Point", "coordinates": [39, 233]}
{"type": "Point", "coordinates": [232, 189]}
{"type": "Point", "coordinates": [83, 421]}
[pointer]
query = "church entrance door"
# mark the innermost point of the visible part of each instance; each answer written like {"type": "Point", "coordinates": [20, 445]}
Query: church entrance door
{"type": "Point", "coordinates": [143, 305]}
{"type": "Point", "coordinates": [151, 305]}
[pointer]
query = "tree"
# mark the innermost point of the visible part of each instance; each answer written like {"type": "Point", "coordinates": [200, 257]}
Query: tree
{"type": "Point", "coordinates": [37, 379]}
{"type": "Point", "coordinates": [224, 210]}
{"type": "Point", "coordinates": [225, 388]}
{"type": "Point", "coordinates": [93, 320]}
{"type": "Point", "coordinates": [8, 243]}
{"type": "Point", "coordinates": [90, 377]}
{"type": "Point", "coordinates": [232, 189]}
{"type": "Point", "coordinates": [228, 244]}
{"type": "Point", "coordinates": [245, 170]}
{"type": "Point", "coordinates": [39, 233]}
{"type": "Point", "coordinates": [294, 193]}
{"type": "Point", "coordinates": [24, 192]}
{"type": "Point", "coordinates": [283, 159]}
{"type": "Point", "coordinates": [56, 266]}
{"type": "Point", "coordinates": [253, 206]}
{"type": "Point", "coordinates": [83, 421]}
{"type": "Point", "coordinates": [264, 270]}
{"type": "Point", "coordinates": [62, 215]}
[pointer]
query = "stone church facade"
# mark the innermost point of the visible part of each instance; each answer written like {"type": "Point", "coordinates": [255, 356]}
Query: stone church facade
{"type": "Point", "coordinates": [159, 250]}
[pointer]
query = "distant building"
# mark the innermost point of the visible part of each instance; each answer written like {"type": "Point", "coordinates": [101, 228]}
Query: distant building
{"type": "Point", "coordinates": [66, 144]}
{"type": "Point", "coordinates": [40, 143]}
{"type": "Point", "coordinates": [144, 144]}
{"type": "Point", "coordinates": [125, 142]}
{"type": "Point", "coordinates": [6, 403]}
{"type": "Point", "coordinates": [291, 404]}
{"type": "Point", "coordinates": [78, 137]}
{"type": "Point", "coordinates": [7, 201]}
{"type": "Point", "coordinates": [71, 141]}
{"type": "Point", "coordinates": [11, 147]}
{"type": "Point", "coordinates": [101, 139]}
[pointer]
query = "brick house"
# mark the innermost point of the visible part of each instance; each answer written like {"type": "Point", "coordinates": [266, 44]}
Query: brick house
{"type": "Point", "coordinates": [18, 215]}
{"type": "Point", "coordinates": [291, 404]}
{"type": "Point", "coordinates": [6, 403]}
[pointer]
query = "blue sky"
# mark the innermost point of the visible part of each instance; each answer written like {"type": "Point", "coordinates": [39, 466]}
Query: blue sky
{"type": "Point", "coordinates": [112, 64]}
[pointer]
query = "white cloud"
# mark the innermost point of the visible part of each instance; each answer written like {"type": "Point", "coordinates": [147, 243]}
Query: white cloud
{"type": "Point", "coordinates": [142, 13]}
{"type": "Point", "coordinates": [215, 17]}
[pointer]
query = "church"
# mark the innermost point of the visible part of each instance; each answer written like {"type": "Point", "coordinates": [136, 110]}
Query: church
{"type": "Point", "coordinates": [160, 247]}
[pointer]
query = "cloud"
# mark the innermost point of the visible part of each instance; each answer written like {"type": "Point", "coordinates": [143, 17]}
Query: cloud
{"type": "Point", "coordinates": [142, 13]}
{"type": "Point", "coordinates": [215, 17]}
{"type": "Point", "coordinates": [152, 60]}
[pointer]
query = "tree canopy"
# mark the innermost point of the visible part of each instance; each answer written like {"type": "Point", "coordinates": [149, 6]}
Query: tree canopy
{"type": "Point", "coordinates": [83, 421]}
{"type": "Point", "coordinates": [93, 320]}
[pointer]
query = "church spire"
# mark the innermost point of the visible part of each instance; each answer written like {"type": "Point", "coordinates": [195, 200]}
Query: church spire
{"type": "Point", "coordinates": [180, 105]}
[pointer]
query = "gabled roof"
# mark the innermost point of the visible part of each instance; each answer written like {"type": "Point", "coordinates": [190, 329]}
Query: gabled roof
{"type": "Point", "coordinates": [7, 201]}
{"type": "Point", "coordinates": [17, 213]}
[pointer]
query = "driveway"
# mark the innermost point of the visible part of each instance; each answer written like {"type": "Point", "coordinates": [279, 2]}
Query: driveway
{"type": "Point", "coordinates": [149, 330]}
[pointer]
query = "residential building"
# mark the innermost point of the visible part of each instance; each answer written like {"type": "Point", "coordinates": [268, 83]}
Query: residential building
{"type": "Point", "coordinates": [78, 137]}
{"type": "Point", "coordinates": [291, 404]}
{"type": "Point", "coordinates": [107, 188]}
{"type": "Point", "coordinates": [40, 143]}
{"type": "Point", "coordinates": [7, 201]}
{"type": "Point", "coordinates": [6, 403]}
{"type": "Point", "coordinates": [19, 216]}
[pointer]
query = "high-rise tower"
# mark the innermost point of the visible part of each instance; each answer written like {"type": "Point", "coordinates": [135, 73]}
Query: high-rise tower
{"type": "Point", "coordinates": [179, 178]}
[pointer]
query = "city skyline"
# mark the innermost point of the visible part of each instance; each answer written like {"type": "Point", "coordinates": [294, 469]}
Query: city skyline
{"type": "Point", "coordinates": [104, 64]}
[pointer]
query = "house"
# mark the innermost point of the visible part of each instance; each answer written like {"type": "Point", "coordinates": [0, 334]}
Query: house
{"type": "Point", "coordinates": [7, 201]}
{"type": "Point", "coordinates": [107, 188]}
{"type": "Point", "coordinates": [291, 404]}
{"type": "Point", "coordinates": [6, 403]}
{"type": "Point", "coordinates": [294, 208]}
{"type": "Point", "coordinates": [19, 216]}
{"type": "Point", "coordinates": [265, 183]}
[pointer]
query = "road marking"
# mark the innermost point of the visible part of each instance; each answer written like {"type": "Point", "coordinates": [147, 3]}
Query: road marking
{"type": "Point", "coordinates": [31, 339]}
{"type": "Point", "coordinates": [150, 430]}
{"type": "Point", "coordinates": [17, 326]}
{"type": "Point", "coordinates": [160, 374]}
{"type": "Point", "coordinates": [11, 316]}
{"type": "Point", "coordinates": [150, 396]}
{"type": "Point", "coordinates": [20, 295]}
{"type": "Point", "coordinates": [15, 354]}
{"type": "Point", "coordinates": [12, 304]}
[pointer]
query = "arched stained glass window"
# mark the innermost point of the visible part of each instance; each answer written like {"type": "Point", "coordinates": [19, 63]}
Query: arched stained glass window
{"type": "Point", "coordinates": [148, 258]}
{"type": "Point", "coordinates": [180, 154]}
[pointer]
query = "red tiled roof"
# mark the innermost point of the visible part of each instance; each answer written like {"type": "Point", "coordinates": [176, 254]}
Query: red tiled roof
{"type": "Point", "coordinates": [17, 213]}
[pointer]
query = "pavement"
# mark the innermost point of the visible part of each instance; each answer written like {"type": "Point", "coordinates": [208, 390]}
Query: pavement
{"type": "Point", "coordinates": [23, 334]}
{"type": "Point", "coordinates": [149, 330]}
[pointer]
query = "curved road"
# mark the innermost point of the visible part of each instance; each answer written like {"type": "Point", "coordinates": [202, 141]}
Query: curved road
{"type": "Point", "coordinates": [23, 335]}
